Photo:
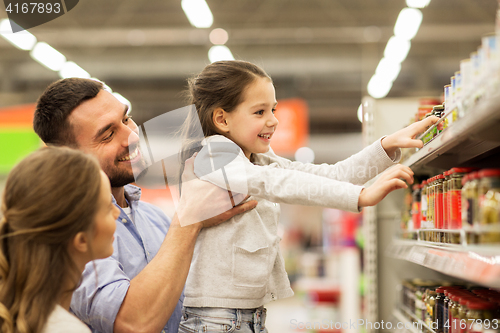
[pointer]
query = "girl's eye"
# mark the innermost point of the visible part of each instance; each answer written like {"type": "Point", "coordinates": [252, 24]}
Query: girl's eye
{"type": "Point", "coordinates": [260, 112]}
{"type": "Point", "coordinates": [274, 110]}
{"type": "Point", "coordinates": [127, 119]}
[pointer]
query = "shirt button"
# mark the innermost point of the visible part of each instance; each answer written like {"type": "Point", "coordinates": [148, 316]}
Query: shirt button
{"type": "Point", "coordinates": [124, 220]}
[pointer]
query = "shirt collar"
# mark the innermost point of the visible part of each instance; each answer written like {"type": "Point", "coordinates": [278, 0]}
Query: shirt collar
{"type": "Point", "coordinates": [132, 193]}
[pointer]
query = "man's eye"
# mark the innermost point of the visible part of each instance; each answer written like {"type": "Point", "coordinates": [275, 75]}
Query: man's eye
{"type": "Point", "coordinates": [107, 137]}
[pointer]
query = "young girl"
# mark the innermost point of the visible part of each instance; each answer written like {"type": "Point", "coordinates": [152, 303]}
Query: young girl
{"type": "Point", "coordinates": [237, 266]}
{"type": "Point", "coordinates": [57, 216]}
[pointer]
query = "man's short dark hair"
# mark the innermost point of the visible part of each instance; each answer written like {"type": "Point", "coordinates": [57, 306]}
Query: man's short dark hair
{"type": "Point", "coordinates": [56, 104]}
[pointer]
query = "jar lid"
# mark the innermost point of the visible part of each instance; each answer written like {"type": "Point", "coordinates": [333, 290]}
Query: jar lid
{"type": "Point", "coordinates": [489, 173]}
{"type": "Point", "coordinates": [447, 173]}
{"type": "Point", "coordinates": [440, 290]}
{"type": "Point", "coordinates": [424, 182]}
{"type": "Point", "coordinates": [415, 187]}
{"type": "Point", "coordinates": [464, 299]}
{"type": "Point", "coordinates": [462, 170]}
{"type": "Point", "coordinates": [481, 305]}
{"type": "Point", "coordinates": [440, 176]}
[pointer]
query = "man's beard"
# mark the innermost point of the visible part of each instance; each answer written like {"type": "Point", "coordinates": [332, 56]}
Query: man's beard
{"type": "Point", "coordinates": [119, 178]}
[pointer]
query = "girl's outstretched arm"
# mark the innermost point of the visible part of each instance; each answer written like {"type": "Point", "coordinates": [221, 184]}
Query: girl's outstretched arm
{"type": "Point", "coordinates": [390, 180]}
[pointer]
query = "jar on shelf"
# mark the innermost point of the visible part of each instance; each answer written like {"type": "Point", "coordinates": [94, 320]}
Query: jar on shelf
{"type": "Point", "coordinates": [416, 206]}
{"type": "Point", "coordinates": [446, 208]}
{"type": "Point", "coordinates": [455, 201]}
{"type": "Point", "coordinates": [438, 207]}
{"type": "Point", "coordinates": [469, 206]}
{"type": "Point", "coordinates": [480, 316]}
{"type": "Point", "coordinates": [430, 210]}
{"type": "Point", "coordinates": [430, 304]}
{"type": "Point", "coordinates": [489, 206]}
{"type": "Point", "coordinates": [423, 205]}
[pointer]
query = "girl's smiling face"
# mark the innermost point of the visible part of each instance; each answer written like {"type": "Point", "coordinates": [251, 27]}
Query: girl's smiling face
{"type": "Point", "coordinates": [252, 124]}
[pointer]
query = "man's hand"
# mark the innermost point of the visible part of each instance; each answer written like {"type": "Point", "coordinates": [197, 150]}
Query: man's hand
{"type": "Point", "coordinates": [388, 181]}
{"type": "Point", "coordinates": [204, 202]}
{"type": "Point", "coordinates": [405, 138]}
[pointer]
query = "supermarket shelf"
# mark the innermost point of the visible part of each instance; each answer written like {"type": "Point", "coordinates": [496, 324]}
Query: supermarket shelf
{"type": "Point", "coordinates": [476, 263]}
{"type": "Point", "coordinates": [473, 140]}
{"type": "Point", "coordinates": [411, 323]}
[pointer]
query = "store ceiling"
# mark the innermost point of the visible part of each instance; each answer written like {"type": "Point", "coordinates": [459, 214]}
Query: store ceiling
{"type": "Point", "coordinates": [324, 51]}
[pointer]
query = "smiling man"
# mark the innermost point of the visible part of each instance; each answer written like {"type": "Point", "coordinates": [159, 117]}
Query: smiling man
{"type": "Point", "coordinates": [139, 288]}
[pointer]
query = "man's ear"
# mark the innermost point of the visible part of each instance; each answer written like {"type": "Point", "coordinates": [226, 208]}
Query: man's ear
{"type": "Point", "coordinates": [81, 242]}
{"type": "Point", "coordinates": [219, 117]}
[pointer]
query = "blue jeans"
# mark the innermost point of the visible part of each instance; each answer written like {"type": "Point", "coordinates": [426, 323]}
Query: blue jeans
{"type": "Point", "coordinates": [198, 320]}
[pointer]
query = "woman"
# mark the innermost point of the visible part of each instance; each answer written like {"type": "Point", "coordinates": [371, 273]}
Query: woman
{"type": "Point", "coordinates": [57, 216]}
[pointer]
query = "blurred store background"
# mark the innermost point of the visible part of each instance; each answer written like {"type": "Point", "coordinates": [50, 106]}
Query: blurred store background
{"type": "Point", "coordinates": [324, 56]}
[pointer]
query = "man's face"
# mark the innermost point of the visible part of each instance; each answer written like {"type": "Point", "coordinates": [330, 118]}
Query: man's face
{"type": "Point", "coordinates": [103, 129]}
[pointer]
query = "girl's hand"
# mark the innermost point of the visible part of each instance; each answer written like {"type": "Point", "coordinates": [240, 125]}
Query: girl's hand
{"type": "Point", "coordinates": [388, 181]}
{"type": "Point", "coordinates": [405, 138]}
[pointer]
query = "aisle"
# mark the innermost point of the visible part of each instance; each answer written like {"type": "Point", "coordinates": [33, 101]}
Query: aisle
{"type": "Point", "coordinates": [283, 314]}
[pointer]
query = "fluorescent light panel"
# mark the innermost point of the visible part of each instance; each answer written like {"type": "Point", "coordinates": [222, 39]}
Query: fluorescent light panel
{"type": "Point", "coordinates": [378, 87]}
{"type": "Point", "coordinates": [417, 3]}
{"type": "Point", "coordinates": [48, 56]}
{"type": "Point", "coordinates": [70, 69]}
{"type": "Point", "coordinates": [198, 13]}
{"type": "Point", "coordinates": [22, 40]}
{"type": "Point", "coordinates": [407, 24]}
{"type": "Point", "coordinates": [219, 52]}
{"type": "Point", "coordinates": [397, 49]}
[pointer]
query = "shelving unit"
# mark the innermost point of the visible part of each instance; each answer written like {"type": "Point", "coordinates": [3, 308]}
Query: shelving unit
{"type": "Point", "coordinates": [478, 264]}
{"type": "Point", "coordinates": [472, 141]}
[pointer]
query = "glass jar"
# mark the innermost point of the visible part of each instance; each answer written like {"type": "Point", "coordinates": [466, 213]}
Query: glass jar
{"type": "Point", "coordinates": [430, 211]}
{"type": "Point", "coordinates": [462, 312]}
{"type": "Point", "coordinates": [455, 201]}
{"type": "Point", "coordinates": [469, 204]}
{"type": "Point", "coordinates": [480, 315]}
{"type": "Point", "coordinates": [423, 207]}
{"type": "Point", "coordinates": [430, 304]}
{"type": "Point", "coordinates": [489, 206]}
{"type": "Point", "coordinates": [416, 206]}
{"type": "Point", "coordinates": [446, 209]}
{"type": "Point", "coordinates": [438, 207]}
{"type": "Point", "coordinates": [439, 309]}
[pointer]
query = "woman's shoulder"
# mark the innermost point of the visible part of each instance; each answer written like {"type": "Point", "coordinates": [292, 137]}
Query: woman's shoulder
{"type": "Point", "coordinates": [62, 321]}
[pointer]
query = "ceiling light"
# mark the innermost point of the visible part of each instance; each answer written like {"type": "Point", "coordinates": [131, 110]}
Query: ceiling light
{"type": "Point", "coordinates": [219, 52]}
{"type": "Point", "coordinates": [388, 69]}
{"type": "Point", "coordinates": [378, 87]}
{"type": "Point", "coordinates": [22, 40]}
{"type": "Point", "coordinates": [408, 22]}
{"type": "Point", "coordinates": [417, 3]}
{"type": "Point", "coordinates": [198, 13]}
{"type": "Point", "coordinates": [360, 113]}
{"type": "Point", "coordinates": [48, 56]}
{"type": "Point", "coordinates": [70, 69]}
{"type": "Point", "coordinates": [397, 49]}
{"type": "Point", "coordinates": [218, 36]}
{"type": "Point", "coordinates": [304, 155]}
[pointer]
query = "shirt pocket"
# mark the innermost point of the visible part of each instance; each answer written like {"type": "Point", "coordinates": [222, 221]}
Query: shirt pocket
{"type": "Point", "coordinates": [251, 266]}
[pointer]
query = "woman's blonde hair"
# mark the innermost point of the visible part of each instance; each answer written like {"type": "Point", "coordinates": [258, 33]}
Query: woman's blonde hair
{"type": "Point", "coordinates": [49, 197]}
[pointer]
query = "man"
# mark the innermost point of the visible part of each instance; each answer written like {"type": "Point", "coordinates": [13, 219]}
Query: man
{"type": "Point", "coordinates": [139, 288]}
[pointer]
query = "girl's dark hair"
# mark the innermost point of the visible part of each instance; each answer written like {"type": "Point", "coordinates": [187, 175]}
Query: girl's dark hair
{"type": "Point", "coordinates": [49, 197]}
{"type": "Point", "coordinates": [220, 85]}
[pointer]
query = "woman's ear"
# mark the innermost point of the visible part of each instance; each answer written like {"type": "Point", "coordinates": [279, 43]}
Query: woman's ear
{"type": "Point", "coordinates": [81, 242]}
{"type": "Point", "coordinates": [219, 117]}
